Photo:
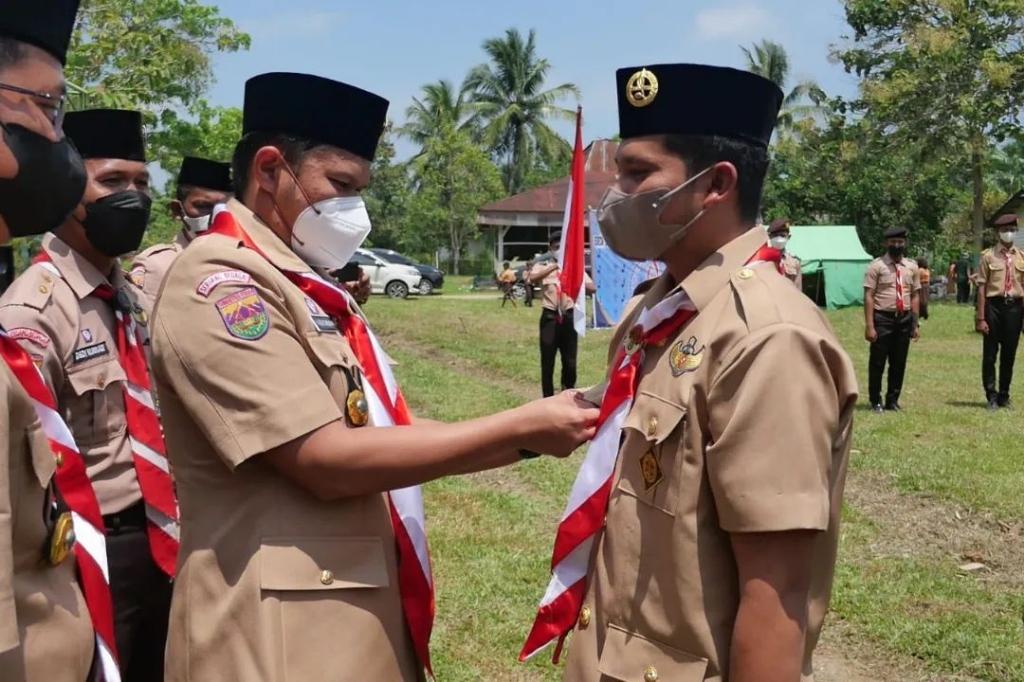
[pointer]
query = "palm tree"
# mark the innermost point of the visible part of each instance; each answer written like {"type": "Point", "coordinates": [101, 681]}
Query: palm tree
{"type": "Point", "coordinates": [441, 108]}
{"type": "Point", "coordinates": [769, 60]}
{"type": "Point", "coordinates": [511, 108]}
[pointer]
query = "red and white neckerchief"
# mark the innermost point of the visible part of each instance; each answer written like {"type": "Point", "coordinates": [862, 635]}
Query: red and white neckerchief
{"type": "Point", "coordinates": [387, 408]}
{"type": "Point", "coordinates": [149, 453]}
{"type": "Point", "coordinates": [901, 307]}
{"type": "Point", "coordinates": [584, 516]}
{"type": "Point", "coordinates": [72, 482]}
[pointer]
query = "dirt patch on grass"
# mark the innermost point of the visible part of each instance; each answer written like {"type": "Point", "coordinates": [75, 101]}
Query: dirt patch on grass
{"type": "Point", "coordinates": [990, 549]}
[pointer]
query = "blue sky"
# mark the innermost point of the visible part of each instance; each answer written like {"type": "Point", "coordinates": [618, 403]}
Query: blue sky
{"type": "Point", "coordinates": [393, 47]}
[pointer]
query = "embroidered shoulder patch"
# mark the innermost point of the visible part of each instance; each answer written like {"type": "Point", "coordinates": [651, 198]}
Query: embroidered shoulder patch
{"type": "Point", "coordinates": [33, 335]}
{"type": "Point", "coordinates": [138, 276]}
{"type": "Point", "coordinates": [89, 352]}
{"type": "Point", "coordinates": [207, 286]}
{"type": "Point", "coordinates": [244, 314]}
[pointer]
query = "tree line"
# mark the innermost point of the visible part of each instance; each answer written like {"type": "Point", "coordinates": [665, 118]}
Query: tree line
{"type": "Point", "coordinates": [933, 139]}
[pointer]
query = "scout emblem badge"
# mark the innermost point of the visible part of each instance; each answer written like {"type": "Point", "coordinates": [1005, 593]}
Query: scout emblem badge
{"type": "Point", "coordinates": [650, 469]}
{"type": "Point", "coordinates": [685, 357]}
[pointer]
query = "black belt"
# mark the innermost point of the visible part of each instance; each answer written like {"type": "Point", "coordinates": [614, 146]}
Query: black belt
{"type": "Point", "coordinates": [893, 314]}
{"type": "Point", "coordinates": [1007, 300]}
{"type": "Point", "coordinates": [134, 518]}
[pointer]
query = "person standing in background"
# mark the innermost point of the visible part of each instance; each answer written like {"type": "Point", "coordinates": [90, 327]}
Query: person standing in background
{"type": "Point", "coordinates": [892, 288]}
{"type": "Point", "coordinates": [926, 280]}
{"type": "Point", "coordinates": [1000, 311]}
{"type": "Point", "coordinates": [778, 238]}
{"type": "Point", "coordinates": [962, 273]}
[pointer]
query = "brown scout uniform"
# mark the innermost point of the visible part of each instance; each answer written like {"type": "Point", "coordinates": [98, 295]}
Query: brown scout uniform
{"type": "Point", "coordinates": [150, 267]}
{"type": "Point", "coordinates": [72, 336]}
{"type": "Point", "coordinates": [992, 271]}
{"type": "Point", "coordinates": [45, 629]}
{"type": "Point", "coordinates": [273, 584]}
{"type": "Point", "coordinates": [549, 289]}
{"type": "Point", "coordinates": [793, 268]}
{"type": "Point", "coordinates": [881, 276]}
{"type": "Point", "coordinates": [738, 452]}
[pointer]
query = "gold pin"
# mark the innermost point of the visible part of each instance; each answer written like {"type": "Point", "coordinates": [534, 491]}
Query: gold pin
{"type": "Point", "coordinates": [651, 674]}
{"type": "Point", "coordinates": [59, 459]}
{"type": "Point", "coordinates": [357, 408]}
{"type": "Point", "coordinates": [62, 539]}
{"type": "Point", "coordinates": [42, 289]}
{"type": "Point", "coordinates": [745, 273]}
{"type": "Point", "coordinates": [634, 340]}
{"type": "Point", "coordinates": [652, 426]}
{"type": "Point", "coordinates": [326, 577]}
{"type": "Point", "coordinates": [585, 615]}
{"type": "Point", "coordinates": [641, 88]}
{"type": "Point", "coordinates": [650, 469]}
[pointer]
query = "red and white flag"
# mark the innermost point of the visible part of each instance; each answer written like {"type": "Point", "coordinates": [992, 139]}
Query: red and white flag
{"type": "Point", "coordinates": [570, 254]}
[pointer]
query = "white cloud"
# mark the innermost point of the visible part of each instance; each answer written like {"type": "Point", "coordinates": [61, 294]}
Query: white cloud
{"type": "Point", "coordinates": [295, 24]}
{"type": "Point", "coordinates": [739, 22]}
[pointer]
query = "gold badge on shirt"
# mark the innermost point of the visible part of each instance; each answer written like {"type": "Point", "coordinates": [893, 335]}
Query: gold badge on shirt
{"type": "Point", "coordinates": [357, 408]}
{"type": "Point", "coordinates": [650, 469]}
{"type": "Point", "coordinates": [685, 357]}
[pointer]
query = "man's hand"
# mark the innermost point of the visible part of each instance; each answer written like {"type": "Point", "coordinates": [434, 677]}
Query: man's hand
{"type": "Point", "coordinates": [981, 326]}
{"type": "Point", "coordinates": [870, 335]}
{"type": "Point", "coordinates": [916, 334]}
{"type": "Point", "coordinates": [360, 289]}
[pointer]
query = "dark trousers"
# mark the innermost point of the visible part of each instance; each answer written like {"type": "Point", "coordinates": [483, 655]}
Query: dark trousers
{"type": "Point", "coordinates": [1004, 319]}
{"type": "Point", "coordinates": [142, 597]}
{"type": "Point", "coordinates": [557, 337]}
{"type": "Point", "coordinates": [963, 291]}
{"type": "Point", "coordinates": [892, 346]}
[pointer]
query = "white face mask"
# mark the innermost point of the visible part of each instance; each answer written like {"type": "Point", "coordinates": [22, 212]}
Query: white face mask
{"type": "Point", "coordinates": [1007, 237]}
{"type": "Point", "coordinates": [327, 234]}
{"type": "Point", "coordinates": [778, 243]}
{"type": "Point", "coordinates": [198, 225]}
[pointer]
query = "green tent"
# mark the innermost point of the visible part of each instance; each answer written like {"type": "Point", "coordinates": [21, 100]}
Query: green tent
{"type": "Point", "coordinates": [833, 263]}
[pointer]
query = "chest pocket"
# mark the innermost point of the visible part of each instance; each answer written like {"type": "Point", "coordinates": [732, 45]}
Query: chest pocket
{"type": "Point", "coordinates": [654, 433]}
{"type": "Point", "coordinates": [96, 402]}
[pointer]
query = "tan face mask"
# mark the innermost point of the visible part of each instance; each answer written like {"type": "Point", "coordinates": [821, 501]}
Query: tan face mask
{"type": "Point", "coordinates": [631, 225]}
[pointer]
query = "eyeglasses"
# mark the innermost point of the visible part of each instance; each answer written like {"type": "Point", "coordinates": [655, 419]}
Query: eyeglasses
{"type": "Point", "coordinates": [54, 106]}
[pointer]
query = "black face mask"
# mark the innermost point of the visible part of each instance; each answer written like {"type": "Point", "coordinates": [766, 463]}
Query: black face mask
{"type": "Point", "coordinates": [49, 184]}
{"type": "Point", "coordinates": [896, 252]}
{"type": "Point", "coordinates": [115, 224]}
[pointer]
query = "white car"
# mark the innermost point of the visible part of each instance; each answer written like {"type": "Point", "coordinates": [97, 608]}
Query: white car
{"type": "Point", "coordinates": [397, 281]}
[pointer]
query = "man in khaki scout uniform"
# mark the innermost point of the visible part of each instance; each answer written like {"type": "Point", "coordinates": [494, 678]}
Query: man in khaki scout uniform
{"type": "Point", "coordinates": [892, 297]}
{"type": "Point", "coordinates": [557, 333]}
{"type": "Point", "coordinates": [45, 630]}
{"type": "Point", "coordinates": [64, 311]}
{"type": "Point", "coordinates": [778, 237]}
{"type": "Point", "coordinates": [716, 557]}
{"type": "Point", "coordinates": [1000, 315]}
{"type": "Point", "coordinates": [289, 564]}
{"type": "Point", "coordinates": [201, 184]}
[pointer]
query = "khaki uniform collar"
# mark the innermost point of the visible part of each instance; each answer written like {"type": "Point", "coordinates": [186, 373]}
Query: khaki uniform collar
{"type": "Point", "coordinates": [276, 251]}
{"type": "Point", "coordinates": [81, 275]}
{"type": "Point", "coordinates": [1004, 251]}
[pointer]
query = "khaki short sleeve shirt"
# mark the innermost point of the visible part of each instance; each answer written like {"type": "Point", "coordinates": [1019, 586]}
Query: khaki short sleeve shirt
{"type": "Point", "coordinates": [149, 268]}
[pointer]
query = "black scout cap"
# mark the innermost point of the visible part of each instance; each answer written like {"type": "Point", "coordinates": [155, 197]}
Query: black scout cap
{"type": "Point", "coordinates": [47, 24]}
{"type": "Point", "coordinates": [1006, 220]}
{"type": "Point", "coordinates": [315, 108]}
{"type": "Point", "coordinates": [695, 99]}
{"type": "Point", "coordinates": [779, 225]}
{"type": "Point", "coordinates": [197, 172]}
{"type": "Point", "coordinates": [106, 134]}
{"type": "Point", "coordinates": [895, 232]}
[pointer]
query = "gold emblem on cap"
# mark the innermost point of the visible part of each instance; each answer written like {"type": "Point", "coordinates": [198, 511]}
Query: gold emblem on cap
{"type": "Point", "coordinates": [62, 539]}
{"type": "Point", "coordinates": [642, 88]}
{"type": "Point", "coordinates": [357, 408]}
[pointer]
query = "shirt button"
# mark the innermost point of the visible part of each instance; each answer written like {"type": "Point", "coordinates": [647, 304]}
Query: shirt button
{"type": "Point", "coordinates": [326, 577]}
{"type": "Point", "coordinates": [585, 615]}
{"type": "Point", "coordinates": [42, 289]}
{"type": "Point", "coordinates": [101, 382]}
{"type": "Point", "coordinates": [651, 674]}
{"type": "Point", "coordinates": [652, 426]}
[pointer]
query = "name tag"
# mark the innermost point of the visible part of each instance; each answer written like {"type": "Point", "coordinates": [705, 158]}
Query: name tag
{"type": "Point", "coordinates": [90, 352]}
{"type": "Point", "coordinates": [324, 323]}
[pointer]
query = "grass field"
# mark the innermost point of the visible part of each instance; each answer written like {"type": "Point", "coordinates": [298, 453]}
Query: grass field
{"type": "Point", "coordinates": [931, 491]}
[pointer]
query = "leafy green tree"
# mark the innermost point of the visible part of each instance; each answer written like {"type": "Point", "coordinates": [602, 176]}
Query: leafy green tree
{"type": "Point", "coordinates": [147, 54]}
{"type": "Point", "coordinates": [945, 76]}
{"type": "Point", "coordinates": [769, 60]}
{"type": "Point", "coordinates": [511, 107]}
{"type": "Point", "coordinates": [453, 178]}
{"type": "Point", "coordinates": [441, 107]}
{"type": "Point", "coordinates": [388, 198]}
{"type": "Point", "coordinates": [210, 133]}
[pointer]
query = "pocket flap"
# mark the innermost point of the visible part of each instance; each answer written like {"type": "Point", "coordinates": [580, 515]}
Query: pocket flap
{"type": "Point", "coordinates": [654, 417]}
{"type": "Point", "coordinates": [631, 658]}
{"type": "Point", "coordinates": [306, 563]}
{"type": "Point", "coordinates": [330, 349]}
{"type": "Point", "coordinates": [95, 377]}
